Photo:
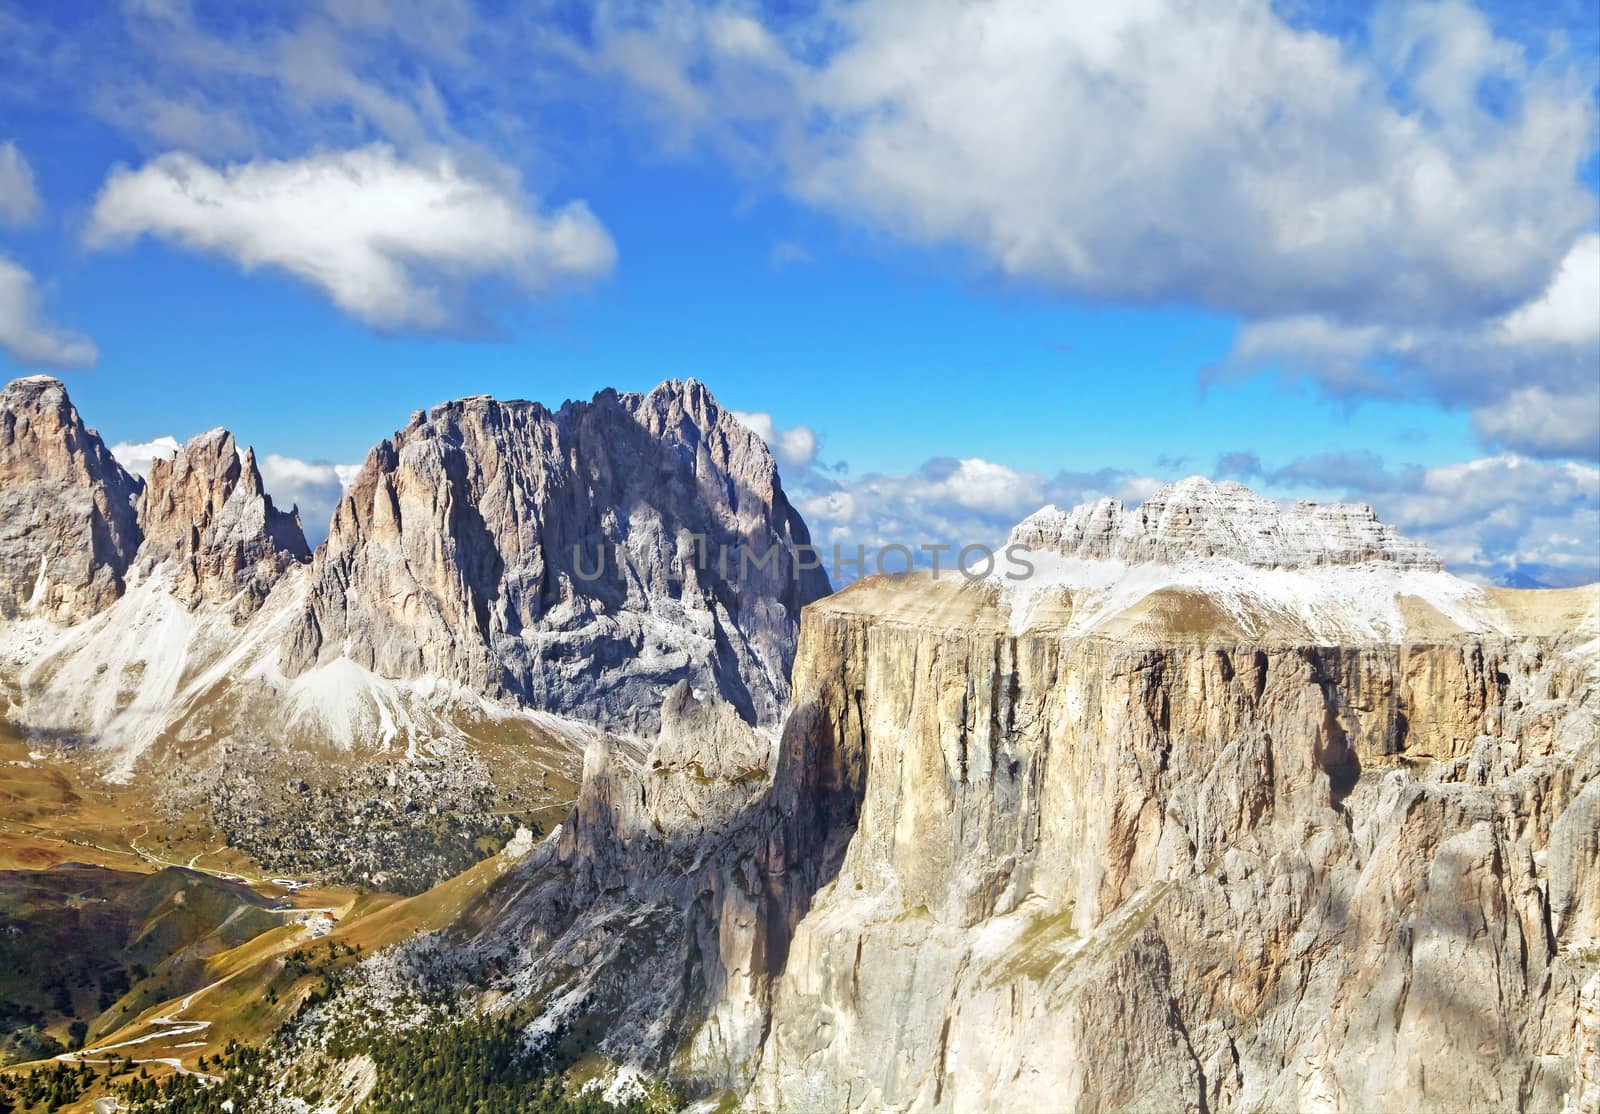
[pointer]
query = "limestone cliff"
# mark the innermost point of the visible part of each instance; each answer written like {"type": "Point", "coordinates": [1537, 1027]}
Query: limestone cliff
{"type": "Point", "coordinates": [205, 512]}
{"type": "Point", "coordinates": [1188, 872]}
{"type": "Point", "coordinates": [1076, 847]}
{"type": "Point", "coordinates": [68, 530]}
{"type": "Point", "coordinates": [579, 560]}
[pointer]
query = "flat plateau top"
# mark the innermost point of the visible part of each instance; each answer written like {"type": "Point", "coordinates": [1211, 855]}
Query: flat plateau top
{"type": "Point", "coordinates": [1158, 605]}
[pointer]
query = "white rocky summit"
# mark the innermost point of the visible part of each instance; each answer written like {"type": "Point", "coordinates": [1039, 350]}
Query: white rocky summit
{"type": "Point", "coordinates": [1196, 518]}
{"type": "Point", "coordinates": [1216, 556]}
{"type": "Point", "coordinates": [1130, 856]}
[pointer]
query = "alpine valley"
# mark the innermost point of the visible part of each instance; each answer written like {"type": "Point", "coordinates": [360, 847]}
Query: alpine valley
{"type": "Point", "coordinates": [506, 798]}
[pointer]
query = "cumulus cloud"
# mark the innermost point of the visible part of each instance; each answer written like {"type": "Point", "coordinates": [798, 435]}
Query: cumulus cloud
{"type": "Point", "coordinates": [27, 335]}
{"type": "Point", "coordinates": [19, 201]}
{"type": "Point", "coordinates": [393, 242]}
{"type": "Point", "coordinates": [1534, 420]}
{"type": "Point", "coordinates": [137, 456]}
{"type": "Point", "coordinates": [1207, 153]}
{"type": "Point", "coordinates": [1530, 376]}
{"type": "Point", "coordinates": [1504, 518]}
{"type": "Point", "coordinates": [1378, 223]}
{"type": "Point", "coordinates": [954, 502]}
{"type": "Point", "coordinates": [313, 486]}
{"type": "Point", "coordinates": [1568, 311]}
{"type": "Point", "coordinates": [795, 448]}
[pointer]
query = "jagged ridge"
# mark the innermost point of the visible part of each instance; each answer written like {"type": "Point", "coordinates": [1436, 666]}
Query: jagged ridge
{"type": "Point", "coordinates": [204, 510]}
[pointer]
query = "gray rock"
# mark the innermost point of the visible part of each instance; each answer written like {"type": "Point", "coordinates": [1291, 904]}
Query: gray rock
{"type": "Point", "coordinates": [68, 530]}
{"type": "Point", "coordinates": [204, 511]}
{"type": "Point", "coordinates": [572, 560]}
{"type": "Point", "coordinates": [1196, 518]}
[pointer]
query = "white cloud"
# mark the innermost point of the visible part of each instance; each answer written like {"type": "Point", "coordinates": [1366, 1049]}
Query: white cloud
{"type": "Point", "coordinates": [19, 201]}
{"type": "Point", "coordinates": [1376, 223]}
{"type": "Point", "coordinates": [1568, 312]}
{"type": "Point", "coordinates": [971, 501]}
{"type": "Point", "coordinates": [392, 242]}
{"type": "Point", "coordinates": [1530, 377]}
{"type": "Point", "coordinates": [795, 448]}
{"type": "Point", "coordinates": [27, 335]}
{"type": "Point", "coordinates": [1533, 420]}
{"type": "Point", "coordinates": [136, 456]}
{"type": "Point", "coordinates": [315, 487]}
{"type": "Point", "coordinates": [1506, 516]}
{"type": "Point", "coordinates": [1158, 150]}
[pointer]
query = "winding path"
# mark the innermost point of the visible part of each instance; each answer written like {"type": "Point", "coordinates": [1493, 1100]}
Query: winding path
{"type": "Point", "coordinates": [168, 1025]}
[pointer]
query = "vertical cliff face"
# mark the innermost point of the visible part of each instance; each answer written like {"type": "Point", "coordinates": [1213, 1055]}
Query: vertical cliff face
{"type": "Point", "coordinates": [68, 530]}
{"type": "Point", "coordinates": [1194, 873]}
{"type": "Point", "coordinates": [573, 560]}
{"type": "Point", "coordinates": [205, 512]}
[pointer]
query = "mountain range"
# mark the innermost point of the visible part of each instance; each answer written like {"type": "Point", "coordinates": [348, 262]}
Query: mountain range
{"type": "Point", "coordinates": [1225, 805]}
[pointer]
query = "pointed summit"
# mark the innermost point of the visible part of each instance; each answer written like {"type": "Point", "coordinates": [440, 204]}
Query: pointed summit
{"type": "Point", "coordinates": [205, 512]}
{"type": "Point", "coordinates": [68, 530]}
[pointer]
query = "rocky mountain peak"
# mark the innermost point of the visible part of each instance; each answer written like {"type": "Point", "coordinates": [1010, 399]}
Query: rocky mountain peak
{"type": "Point", "coordinates": [569, 559]}
{"type": "Point", "coordinates": [68, 530]}
{"type": "Point", "coordinates": [1197, 519]}
{"type": "Point", "coordinates": [205, 512]}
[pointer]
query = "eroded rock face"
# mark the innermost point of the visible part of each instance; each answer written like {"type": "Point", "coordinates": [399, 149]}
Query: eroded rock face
{"type": "Point", "coordinates": [68, 529]}
{"type": "Point", "coordinates": [1094, 875]}
{"type": "Point", "coordinates": [205, 512]}
{"type": "Point", "coordinates": [568, 559]}
{"type": "Point", "coordinates": [660, 912]}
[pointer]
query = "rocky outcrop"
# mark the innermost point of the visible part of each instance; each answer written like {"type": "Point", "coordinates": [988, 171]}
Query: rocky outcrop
{"type": "Point", "coordinates": [580, 560]}
{"type": "Point", "coordinates": [205, 513]}
{"type": "Point", "coordinates": [660, 910]}
{"type": "Point", "coordinates": [1198, 519]}
{"type": "Point", "coordinates": [68, 529]}
{"type": "Point", "coordinates": [1162, 865]}
{"type": "Point", "coordinates": [1207, 559]}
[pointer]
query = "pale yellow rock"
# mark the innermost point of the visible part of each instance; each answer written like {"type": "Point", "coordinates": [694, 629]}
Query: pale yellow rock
{"type": "Point", "coordinates": [1168, 870]}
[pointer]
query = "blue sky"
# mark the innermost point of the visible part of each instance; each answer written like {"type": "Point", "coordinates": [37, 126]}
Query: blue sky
{"type": "Point", "coordinates": [972, 259]}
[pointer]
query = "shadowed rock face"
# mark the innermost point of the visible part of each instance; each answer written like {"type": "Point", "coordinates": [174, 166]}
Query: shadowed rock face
{"type": "Point", "coordinates": [568, 559]}
{"type": "Point", "coordinates": [205, 511]}
{"type": "Point", "coordinates": [68, 530]}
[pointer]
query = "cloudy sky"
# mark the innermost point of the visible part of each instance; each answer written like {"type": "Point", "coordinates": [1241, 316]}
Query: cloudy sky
{"type": "Point", "coordinates": [953, 260]}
